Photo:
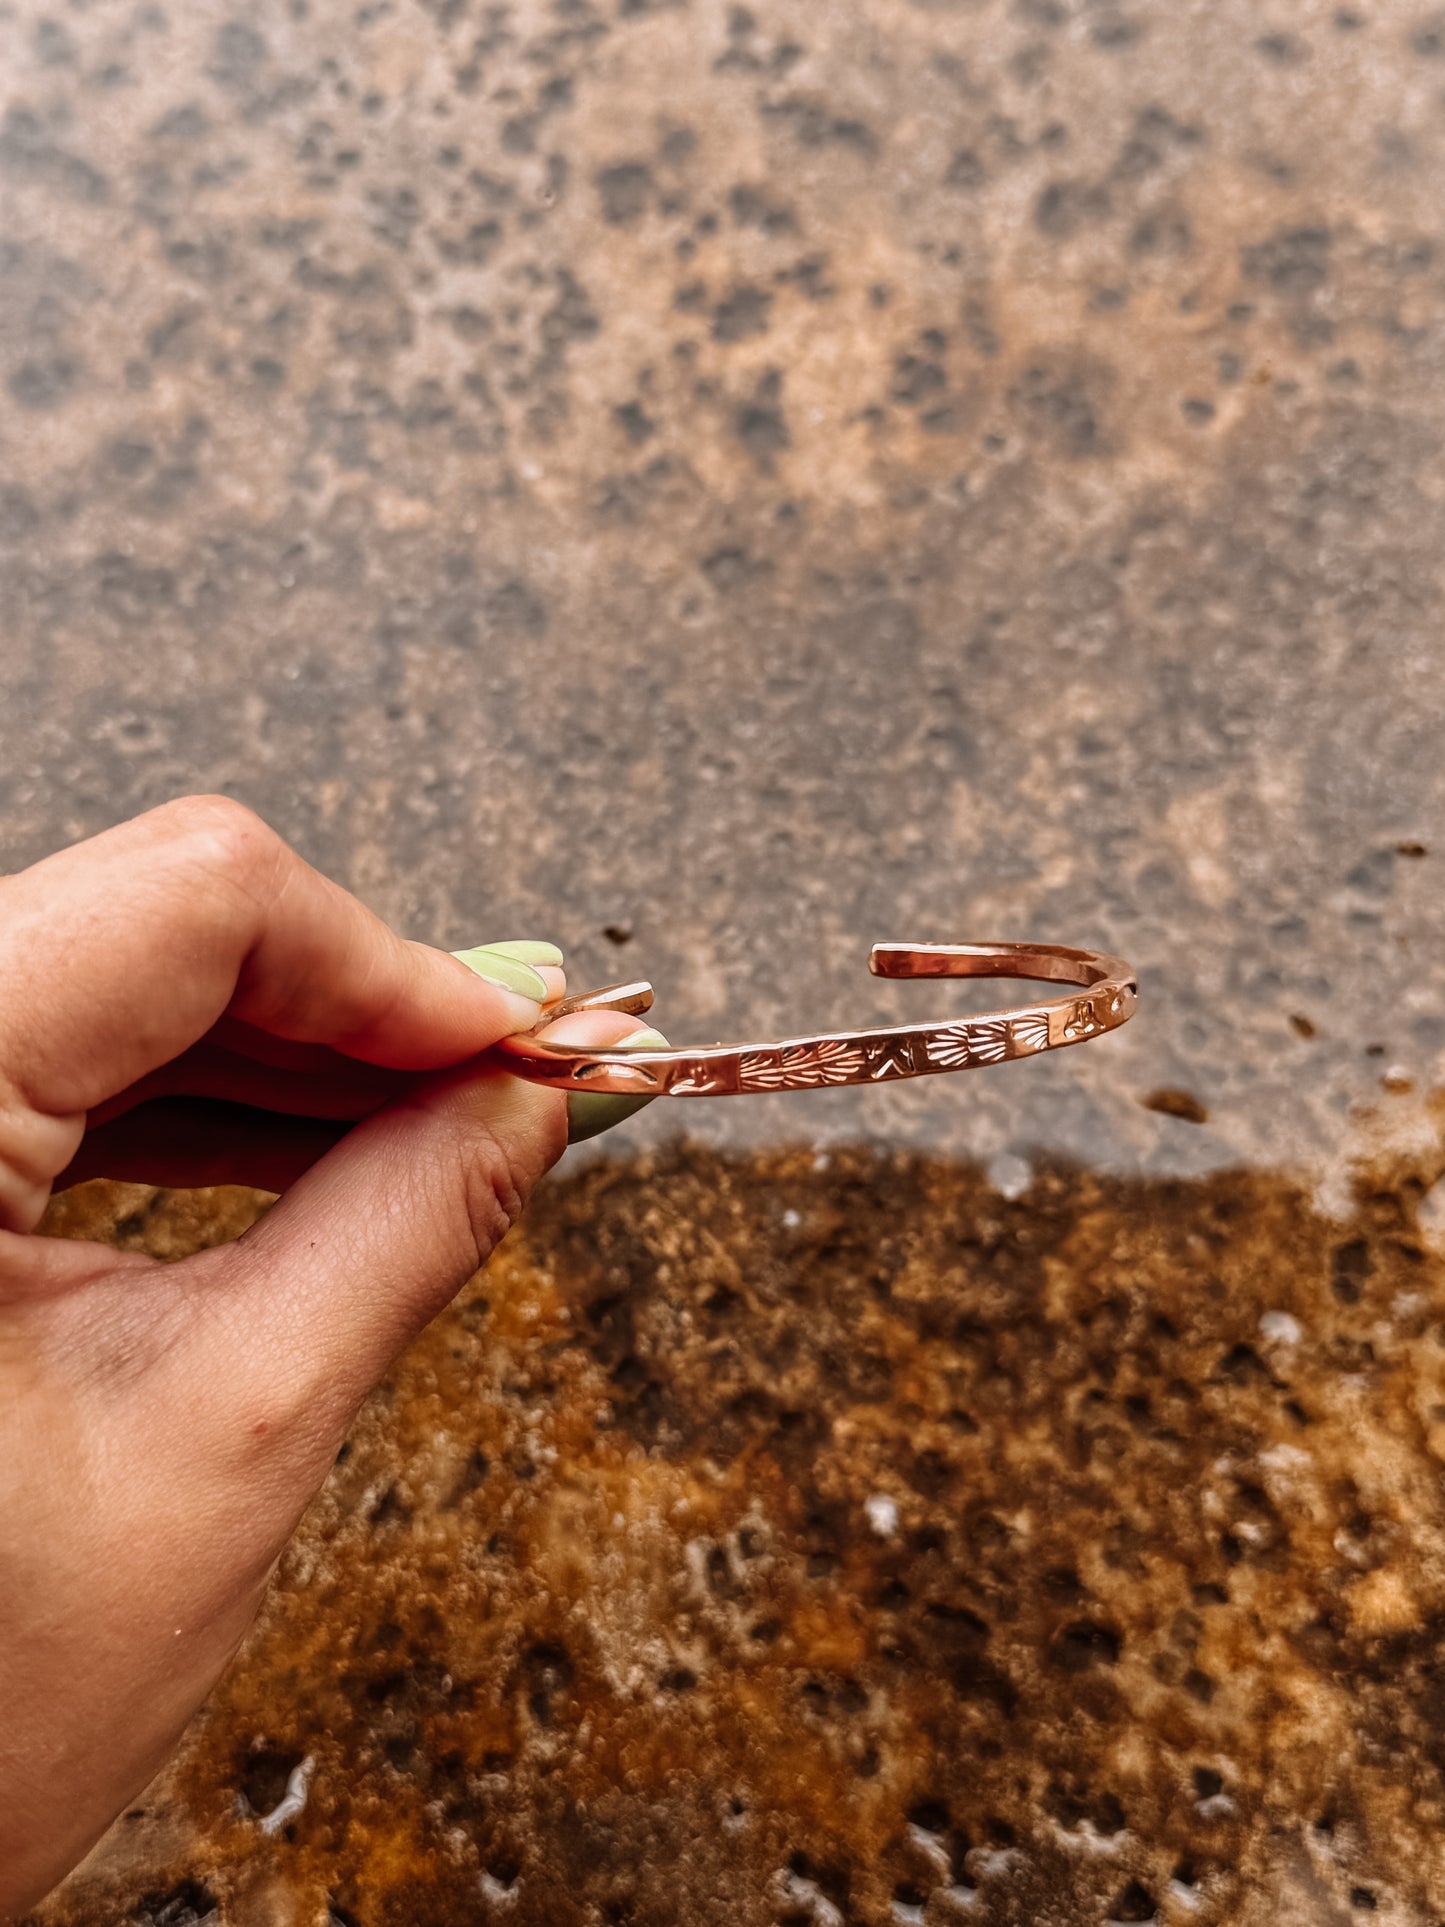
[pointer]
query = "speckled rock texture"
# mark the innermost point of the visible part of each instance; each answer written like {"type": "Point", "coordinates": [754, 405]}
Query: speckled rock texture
{"type": "Point", "coordinates": [757, 479]}
{"type": "Point", "coordinates": [717, 485]}
{"type": "Point", "coordinates": [827, 1538]}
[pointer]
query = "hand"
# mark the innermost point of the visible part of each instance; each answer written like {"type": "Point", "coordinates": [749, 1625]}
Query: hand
{"type": "Point", "coordinates": [183, 1001]}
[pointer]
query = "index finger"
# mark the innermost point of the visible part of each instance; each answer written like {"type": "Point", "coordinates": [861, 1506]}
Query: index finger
{"type": "Point", "coordinates": [119, 953]}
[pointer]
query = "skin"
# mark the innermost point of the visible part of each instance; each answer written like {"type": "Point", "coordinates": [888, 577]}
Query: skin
{"type": "Point", "coordinates": [186, 1002]}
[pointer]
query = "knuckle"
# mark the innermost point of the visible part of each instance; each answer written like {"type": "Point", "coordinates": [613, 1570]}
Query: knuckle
{"type": "Point", "coordinates": [227, 845]}
{"type": "Point", "coordinates": [234, 829]}
{"type": "Point", "coordinates": [494, 1188]}
{"type": "Point", "coordinates": [188, 816]}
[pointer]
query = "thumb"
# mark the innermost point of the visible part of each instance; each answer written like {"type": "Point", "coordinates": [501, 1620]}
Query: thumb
{"type": "Point", "coordinates": [369, 1245]}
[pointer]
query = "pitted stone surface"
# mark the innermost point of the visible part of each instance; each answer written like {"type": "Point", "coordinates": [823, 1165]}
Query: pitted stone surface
{"type": "Point", "coordinates": [717, 485]}
{"type": "Point", "coordinates": [761, 479]}
{"type": "Point", "coordinates": [831, 1538]}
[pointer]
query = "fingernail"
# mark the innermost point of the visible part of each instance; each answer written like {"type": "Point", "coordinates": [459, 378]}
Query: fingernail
{"type": "Point", "coordinates": [526, 950]}
{"type": "Point", "coordinates": [590, 1113]}
{"type": "Point", "coordinates": [506, 973]}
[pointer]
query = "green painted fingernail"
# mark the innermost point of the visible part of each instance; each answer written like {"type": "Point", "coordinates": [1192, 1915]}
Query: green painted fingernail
{"type": "Point", "coordinates": [526, 950]}
{"type": "Point", "coordinates": [590, 1113]}
{"type": "Point", "coordinates": [507, 973]}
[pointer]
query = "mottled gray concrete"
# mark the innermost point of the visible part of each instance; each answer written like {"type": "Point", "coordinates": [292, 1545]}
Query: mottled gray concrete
{"type": "Point", "coordinates": [762, 479]}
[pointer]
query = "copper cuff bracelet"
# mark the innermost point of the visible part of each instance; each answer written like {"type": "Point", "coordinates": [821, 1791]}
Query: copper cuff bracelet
{"type": "Point", "coordinates": [848, 1057]}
